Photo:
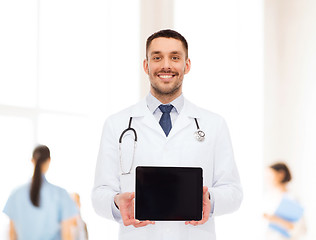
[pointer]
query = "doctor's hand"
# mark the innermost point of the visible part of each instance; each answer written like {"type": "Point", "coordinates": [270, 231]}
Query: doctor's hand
{"type": "Point", "coordinates": [125, 203]}
{"type": "Point", "coordinates": [206, 209]}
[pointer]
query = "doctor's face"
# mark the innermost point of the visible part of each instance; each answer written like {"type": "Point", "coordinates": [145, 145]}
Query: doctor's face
{"type": "Point", "coordinates": [166, 65]}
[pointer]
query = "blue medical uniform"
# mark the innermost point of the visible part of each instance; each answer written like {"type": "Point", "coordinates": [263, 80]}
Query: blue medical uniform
{"type": "Point", "coordinates": [43, 222]}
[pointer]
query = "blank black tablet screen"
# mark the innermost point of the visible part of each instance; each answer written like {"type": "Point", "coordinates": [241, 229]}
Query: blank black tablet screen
{"type": "Point", "coordinates": [168, 193]}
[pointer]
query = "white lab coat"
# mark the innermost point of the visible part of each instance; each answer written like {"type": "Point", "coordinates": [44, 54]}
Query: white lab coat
{"type": "Point", "coordinates": [180, 148]}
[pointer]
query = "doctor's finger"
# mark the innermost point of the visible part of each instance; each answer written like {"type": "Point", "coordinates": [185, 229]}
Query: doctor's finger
{"type": "Point", "coordinates": [142, 223]}
{"type": "Point", "coordinates": [206, 194]}
{"type": "Point", "coordinates": [204, 220]}
{"type": "Point", "coordinates": [128, 221]}
{"type": "Point", "coordinates": [132, 195]}
{"type": "Point", "coordinates": [206, 212]}
{"type": "Point", "coordinates": [206, 215]}
{"type": "Point", "coordinates": [194, 223]}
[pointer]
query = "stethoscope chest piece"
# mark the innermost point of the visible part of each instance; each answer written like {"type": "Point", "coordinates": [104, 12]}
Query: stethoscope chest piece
{"type": "Point", "coordinates": [199, 135]}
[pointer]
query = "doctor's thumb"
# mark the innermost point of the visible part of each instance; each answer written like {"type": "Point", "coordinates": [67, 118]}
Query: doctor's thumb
{"type": "Point", "coordinates": [131, 195]}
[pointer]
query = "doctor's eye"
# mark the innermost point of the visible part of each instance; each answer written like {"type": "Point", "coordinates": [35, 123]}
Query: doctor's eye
{"type": "Point", "coordinates": [156, 58]}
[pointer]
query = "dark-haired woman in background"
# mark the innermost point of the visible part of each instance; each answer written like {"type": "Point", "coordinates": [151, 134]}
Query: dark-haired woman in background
{"type": "Point", "coordinates": [284, 213]}
{"type": "Point", "coordinates": [40, 210]}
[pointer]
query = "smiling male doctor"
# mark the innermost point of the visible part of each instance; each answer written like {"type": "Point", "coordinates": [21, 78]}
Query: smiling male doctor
{"type": "Point", "coordinates": [165, 123]}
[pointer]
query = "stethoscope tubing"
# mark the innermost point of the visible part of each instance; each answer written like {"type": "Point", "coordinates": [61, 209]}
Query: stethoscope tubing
{"type": "Point", "coordinates": [128, 129]}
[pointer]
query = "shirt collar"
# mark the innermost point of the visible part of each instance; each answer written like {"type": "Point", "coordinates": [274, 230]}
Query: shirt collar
{"type": "Point", "coordinates": [153, 103]}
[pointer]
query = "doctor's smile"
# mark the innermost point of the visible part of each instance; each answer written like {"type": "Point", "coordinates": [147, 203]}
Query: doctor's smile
{"type": "Point", "coordinates": [166, 75]}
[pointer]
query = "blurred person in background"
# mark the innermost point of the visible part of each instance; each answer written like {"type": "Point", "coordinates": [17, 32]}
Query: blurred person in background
{"type": "Point", "coordinates": [284, 213]}
{"type": "Point", "coordinates": [40, 210]}
{"type": "Point", "coordinates": [79, 227]}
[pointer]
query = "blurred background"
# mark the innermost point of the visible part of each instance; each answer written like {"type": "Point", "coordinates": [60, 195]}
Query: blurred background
{"type": "Point", "coordinates": [66, 65]}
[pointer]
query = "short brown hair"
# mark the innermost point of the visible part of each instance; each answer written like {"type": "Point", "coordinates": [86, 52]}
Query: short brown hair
{"type": "Point", "coordinates": [167, 33]}
{"type": "Point", "coordinates": [282, 167]}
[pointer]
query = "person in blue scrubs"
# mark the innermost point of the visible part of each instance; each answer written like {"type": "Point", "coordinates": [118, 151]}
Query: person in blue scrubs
{"type": "Point", "coordinates": [40, 210]}
{"type": "Point", "coordinates": [284, 212]}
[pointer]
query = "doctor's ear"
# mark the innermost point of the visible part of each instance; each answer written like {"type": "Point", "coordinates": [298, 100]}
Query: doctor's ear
{"type": "Point", "coordinates": [187, 66]}
{"type": "Point", "coordinates": [145, 66]}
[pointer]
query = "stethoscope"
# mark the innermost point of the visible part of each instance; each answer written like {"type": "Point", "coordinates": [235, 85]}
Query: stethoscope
{"type": "Point", "coordinates": [198, 134]}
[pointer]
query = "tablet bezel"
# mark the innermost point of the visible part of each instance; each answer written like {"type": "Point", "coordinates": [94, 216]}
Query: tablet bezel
{"type": "Point", "coordinates": [142, 214]}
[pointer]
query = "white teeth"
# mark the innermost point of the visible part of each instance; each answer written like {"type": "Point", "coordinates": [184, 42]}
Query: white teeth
{"type": "Point", "coordinates": [165, 76]}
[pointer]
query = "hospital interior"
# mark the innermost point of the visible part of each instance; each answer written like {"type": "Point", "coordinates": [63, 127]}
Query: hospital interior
{"type": "Point", "coordinates": [65, 66]}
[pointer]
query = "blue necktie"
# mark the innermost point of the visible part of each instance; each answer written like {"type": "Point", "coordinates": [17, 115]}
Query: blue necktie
{"type": "Point", "coordinates": [165, 120]}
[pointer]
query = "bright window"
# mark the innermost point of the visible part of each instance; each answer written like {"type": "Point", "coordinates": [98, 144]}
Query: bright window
{"type": "Point", "coordinates": [65, 66]}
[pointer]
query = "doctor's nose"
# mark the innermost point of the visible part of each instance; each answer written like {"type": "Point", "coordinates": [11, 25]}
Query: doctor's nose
{"type": "Point", "coordinates": [166, 64]}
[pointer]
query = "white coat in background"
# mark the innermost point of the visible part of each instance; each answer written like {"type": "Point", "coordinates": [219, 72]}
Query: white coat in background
{"type": "Point", "coordinates": [180, 148]}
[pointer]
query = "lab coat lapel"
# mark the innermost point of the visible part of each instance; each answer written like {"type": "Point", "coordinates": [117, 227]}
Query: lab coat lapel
{"type": "Point", "coordinates": [148, 119]}
{"type": "Point", "coordinates": [181, 122]}
{"type": "Point", "coordinates": [186, 116]}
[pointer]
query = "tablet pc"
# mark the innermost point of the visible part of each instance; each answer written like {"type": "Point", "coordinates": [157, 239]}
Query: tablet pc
{"type": "Point", "coordinates": [168, 193]}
